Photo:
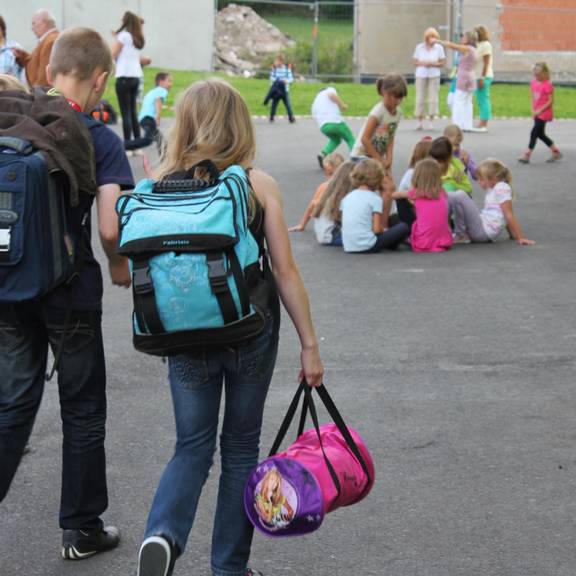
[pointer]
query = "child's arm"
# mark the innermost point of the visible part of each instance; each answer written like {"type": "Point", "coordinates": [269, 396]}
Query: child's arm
{"type": "Point", "coordinates": [377, 226]}
{"type": "Point", "coordinates": [338, 101]}
{"type": "Point", "coordinates": [158, 106]}
{"type": "Point", "coordinates": [544, 107]}
{"type": "Point", "coordinates": [513, 227]}
{"type": "Point", "coordinates": [400, 195]}
{"type": "Point", "coordinates": [371, 125]}
{"type": "Point", "coordinates": [301, 226]}
{"type": "Point", "coordinates": [389, 155]}
{"type": "Point", "coordinates": [469, 163]}
{"type": "Point", "coordinates": [108, 227]}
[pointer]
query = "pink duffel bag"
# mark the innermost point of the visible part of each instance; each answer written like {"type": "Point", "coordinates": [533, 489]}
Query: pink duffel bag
{"type": "Point", "coordinates": [327, 467]}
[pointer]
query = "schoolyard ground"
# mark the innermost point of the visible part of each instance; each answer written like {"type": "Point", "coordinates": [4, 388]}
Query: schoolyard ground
{"type": "Point", "coordinates": [457, 369]}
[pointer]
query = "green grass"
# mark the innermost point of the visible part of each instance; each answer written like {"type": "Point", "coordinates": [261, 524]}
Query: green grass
{"type": "Point", "coordinates": [507, 99]}
{"type": "Point", "coordinates": [300, 29]}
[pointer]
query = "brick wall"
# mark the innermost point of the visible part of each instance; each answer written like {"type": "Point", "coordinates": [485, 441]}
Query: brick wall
{"type": "Point", "coordinates": [538, 25]}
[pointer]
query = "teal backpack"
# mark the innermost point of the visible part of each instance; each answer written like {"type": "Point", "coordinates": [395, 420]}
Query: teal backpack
{"type": "Point", "coordinates": [200, 279]}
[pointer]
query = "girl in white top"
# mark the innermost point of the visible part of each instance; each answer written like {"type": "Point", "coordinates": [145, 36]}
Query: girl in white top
{"type": "Point", "coordinates": [471, 224]}
{"type": "Point", "coordinates": [484, 77]}
{"type": "Point", "coordinates": [126, 50]}
{"type": "Point", "coordinates": [429, 59]}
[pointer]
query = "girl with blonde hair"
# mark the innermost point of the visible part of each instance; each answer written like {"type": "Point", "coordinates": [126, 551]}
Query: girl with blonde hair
{"type": "Point", "coordinates": [213, 123]}
{"type": "Point", "coordinates": [473, 225]}
{"type": "Point", "coordinates": [484, 76]}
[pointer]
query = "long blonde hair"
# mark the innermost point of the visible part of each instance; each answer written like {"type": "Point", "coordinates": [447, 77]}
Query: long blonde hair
{"type": "Point", "coordinates": [212, 123]}
{"type": "Point", "coordinates": [338, 186]}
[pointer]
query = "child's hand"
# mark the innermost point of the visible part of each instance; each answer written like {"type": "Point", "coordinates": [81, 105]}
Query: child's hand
{"type": "Point", "coordinates": [297, 228]}
{"type": "Point", "coordinates": [525, 242]}
{"type": "Point", "coordinates": [464, 156]}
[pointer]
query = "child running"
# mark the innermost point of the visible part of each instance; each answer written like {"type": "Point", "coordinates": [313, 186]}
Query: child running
{"type": "Point", "coordinates": [454, 133]}
{"type": "Point", "coordinates": [151, 114]}
{"type": "Point", "coordinates": [326, 214]}
{"type": "Point", "coordinates": [452, 169]}
{"type": "Point", "coordinates": [430, 229]}
{"type": "Point", "coordinates": [363, 226]}
{"type": "Point", "coordinates": [327, 110]}
{"type": "Point", "coordinates": [542, 111]}
{"type": "Point", "coordinates": [329, 164]}
{"type": "Point", "coordinates": [471, 224]}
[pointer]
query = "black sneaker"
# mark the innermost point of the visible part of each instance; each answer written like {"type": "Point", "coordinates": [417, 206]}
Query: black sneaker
{"type": "Point", "coordinates": [252, 572]}
{"type": "Point", "coordinates": [80, 544]}
{"type": "Point", "coordinates": [320, 159]}
{"type": "Point", "coordinates": [156, 557]}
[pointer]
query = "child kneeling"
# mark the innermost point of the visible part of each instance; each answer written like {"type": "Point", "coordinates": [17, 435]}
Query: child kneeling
{"type": "Point", "coordinates": [363, 229]}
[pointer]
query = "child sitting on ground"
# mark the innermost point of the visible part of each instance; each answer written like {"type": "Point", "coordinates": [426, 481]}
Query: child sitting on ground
{"type": "Point", "coordinates": [454, 133]}
{"type": "Point", "coordinates": [363, 226]}
{"type": "Point", "coordinates": [473, 225]}
{"type": "Point", "coordinates": [453, 172]}
{"type": "Point", "coordinates": [150, 116]}
{"type": "Point", "coordinates": [330, 164]}
{"type": "Point", "coordinates": [430, 229]}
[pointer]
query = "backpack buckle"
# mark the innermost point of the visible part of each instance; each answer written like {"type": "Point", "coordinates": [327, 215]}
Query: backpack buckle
{"type": "Point", "coordinates": [141, 280]}
{"type": "Point", "coordinates": [5, 239]}
{"type": "Point", "coordinates": [217, 275]}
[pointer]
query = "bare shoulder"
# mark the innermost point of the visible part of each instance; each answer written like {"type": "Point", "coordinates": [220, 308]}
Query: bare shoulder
{"type": "Point", "coordinates": [265, 187]}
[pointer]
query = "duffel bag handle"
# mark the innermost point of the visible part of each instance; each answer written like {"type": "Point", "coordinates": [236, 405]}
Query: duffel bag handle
{"type": "Point", "coordinates": [308, 404]}
{"type": "Point", "coordinates": [211, 168]}
{"type": "Point", "coordinates": [17, 144]}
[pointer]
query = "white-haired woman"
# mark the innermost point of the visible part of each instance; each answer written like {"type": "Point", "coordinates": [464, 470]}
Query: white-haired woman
{"type": "Point", "coordinates": [429, 59]}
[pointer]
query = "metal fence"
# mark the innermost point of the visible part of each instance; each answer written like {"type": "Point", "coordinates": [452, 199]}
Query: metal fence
{"type": "Point", "coordinates": [366, 38]}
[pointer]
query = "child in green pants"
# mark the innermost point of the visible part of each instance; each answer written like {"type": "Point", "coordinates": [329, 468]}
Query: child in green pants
{"type": "Point", "coordinates": [327, 110]}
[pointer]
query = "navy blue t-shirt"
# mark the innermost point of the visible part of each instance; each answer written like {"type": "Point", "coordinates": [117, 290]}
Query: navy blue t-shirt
{"type": "Point", "coordinates": [112, 167]}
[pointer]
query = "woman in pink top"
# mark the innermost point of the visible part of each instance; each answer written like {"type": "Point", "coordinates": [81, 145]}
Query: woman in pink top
{"type": "Point", "coordinates": [431, 230]}
{"type": "Point", "coordinates": [463, 106]}
{"type": "Point", "coordinates": [542, 112]}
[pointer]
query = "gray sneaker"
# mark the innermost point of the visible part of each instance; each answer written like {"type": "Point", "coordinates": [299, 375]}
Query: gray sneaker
{"type": "Point", "coordinates": [156, 557]}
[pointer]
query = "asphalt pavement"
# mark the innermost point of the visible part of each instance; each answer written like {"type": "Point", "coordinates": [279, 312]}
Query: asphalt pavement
{"type": "Point", "coordinates": [458, 369]}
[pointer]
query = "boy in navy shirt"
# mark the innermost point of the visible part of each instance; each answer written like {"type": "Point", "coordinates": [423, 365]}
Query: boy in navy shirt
{"type": "Point", "coordinates": [151, 114]}
{"type": "Point", "coordinates": [70, 317]}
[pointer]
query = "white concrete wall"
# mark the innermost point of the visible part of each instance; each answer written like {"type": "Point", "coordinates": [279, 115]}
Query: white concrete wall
{"type": "Point", "coordinates": [179, 33]}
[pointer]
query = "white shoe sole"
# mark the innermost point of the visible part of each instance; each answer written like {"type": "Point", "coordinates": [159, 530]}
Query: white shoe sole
{"type": "Point", "coordinates": [154, 558]}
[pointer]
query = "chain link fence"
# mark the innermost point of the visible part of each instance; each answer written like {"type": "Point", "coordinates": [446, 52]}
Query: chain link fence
{"type": "Point", "coordinates": [360, 39]}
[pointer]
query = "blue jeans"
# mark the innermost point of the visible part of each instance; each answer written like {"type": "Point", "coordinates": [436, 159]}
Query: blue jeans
{"type": "Point", "coordinates": [26, 331]}
{"type": "Point", "coordinates": [196, 382]}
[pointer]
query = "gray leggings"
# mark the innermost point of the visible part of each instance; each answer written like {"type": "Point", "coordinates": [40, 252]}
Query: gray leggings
{"type": "Point", "coordinates": [467, 219]}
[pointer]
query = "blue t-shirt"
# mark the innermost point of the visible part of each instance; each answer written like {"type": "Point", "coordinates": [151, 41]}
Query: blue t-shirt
{"type": "Point", "coordinates": [112, 167]}
{"type": "Point", "coordinates": [149, 102]}
{"type": "Point", "coordinates": [357, 209]}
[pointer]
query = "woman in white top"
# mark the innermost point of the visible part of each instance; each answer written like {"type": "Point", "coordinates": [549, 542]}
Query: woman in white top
{"type": "Point", "coordinates": [128, 42]}
{"type": "Point", "coordinates": [484, 77]}
{"type": "Point", "coordinates": [429, 58]}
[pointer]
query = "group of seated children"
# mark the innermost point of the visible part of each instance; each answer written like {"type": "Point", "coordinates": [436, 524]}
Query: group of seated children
{"type": "Point", "coordinates": [434, 201]}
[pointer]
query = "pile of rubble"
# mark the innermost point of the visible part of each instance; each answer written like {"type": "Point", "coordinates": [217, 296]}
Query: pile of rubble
{"type": "Point", "coordinates": [243, 40]}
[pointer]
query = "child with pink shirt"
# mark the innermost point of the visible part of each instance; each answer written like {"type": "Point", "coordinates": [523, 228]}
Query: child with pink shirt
{"type": "Point", "coordinates": [430, 230]}
{"type": "Point", "coordinates": [542, 112]}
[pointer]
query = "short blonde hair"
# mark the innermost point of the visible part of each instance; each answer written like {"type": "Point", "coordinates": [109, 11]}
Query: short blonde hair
{"type": "Point", "coordinates": [333, 160]}
{"type": "Point", "coordinates": [368, 173]}
{"type": "Point", "coordinates": [212, 123]}
{"type": "Point", "coordinates": [471, 37]}
{"type": "Point", "coordinates": [542, 67]}
{"type": "Point", "coordinates": [427, 179]}
{"type": "Point", "coordinates": [431, 33]}
{"type": "Point", "coordinates": [493, 169]}
{"type": "Point", "coordinates": [8, 82]}
{"type": "Point", "coordinates": [79, 52]}
{"type": "Point", "coordinates": [454, 133]}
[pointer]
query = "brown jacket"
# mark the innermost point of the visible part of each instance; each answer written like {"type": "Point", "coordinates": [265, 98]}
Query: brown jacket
{"type": "Point", "coordinates": [54, 128]}
{"type": "Point", "coordinates": [36, 62]}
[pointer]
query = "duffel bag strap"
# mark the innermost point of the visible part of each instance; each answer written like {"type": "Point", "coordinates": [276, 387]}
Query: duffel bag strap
{"type": "Point", "coordinates": [145, 309]}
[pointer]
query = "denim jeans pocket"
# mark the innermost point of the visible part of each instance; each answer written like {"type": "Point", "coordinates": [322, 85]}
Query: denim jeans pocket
{"type": "Point", "coordinates": [189, 370]}
{"type": "Point", "coordinates": [78, 335]}
{"type": "Point", "coordinates": [256, 356]}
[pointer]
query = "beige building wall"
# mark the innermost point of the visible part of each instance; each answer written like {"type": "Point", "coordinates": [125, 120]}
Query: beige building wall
{"type": "Point", "coordinates": [179, 33]}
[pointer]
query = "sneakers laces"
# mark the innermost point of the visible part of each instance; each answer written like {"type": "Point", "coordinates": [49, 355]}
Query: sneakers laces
{"type": "Point", "coordinates": [156, 557]}
{"type": "Point", "coordinates": [81, 544]}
